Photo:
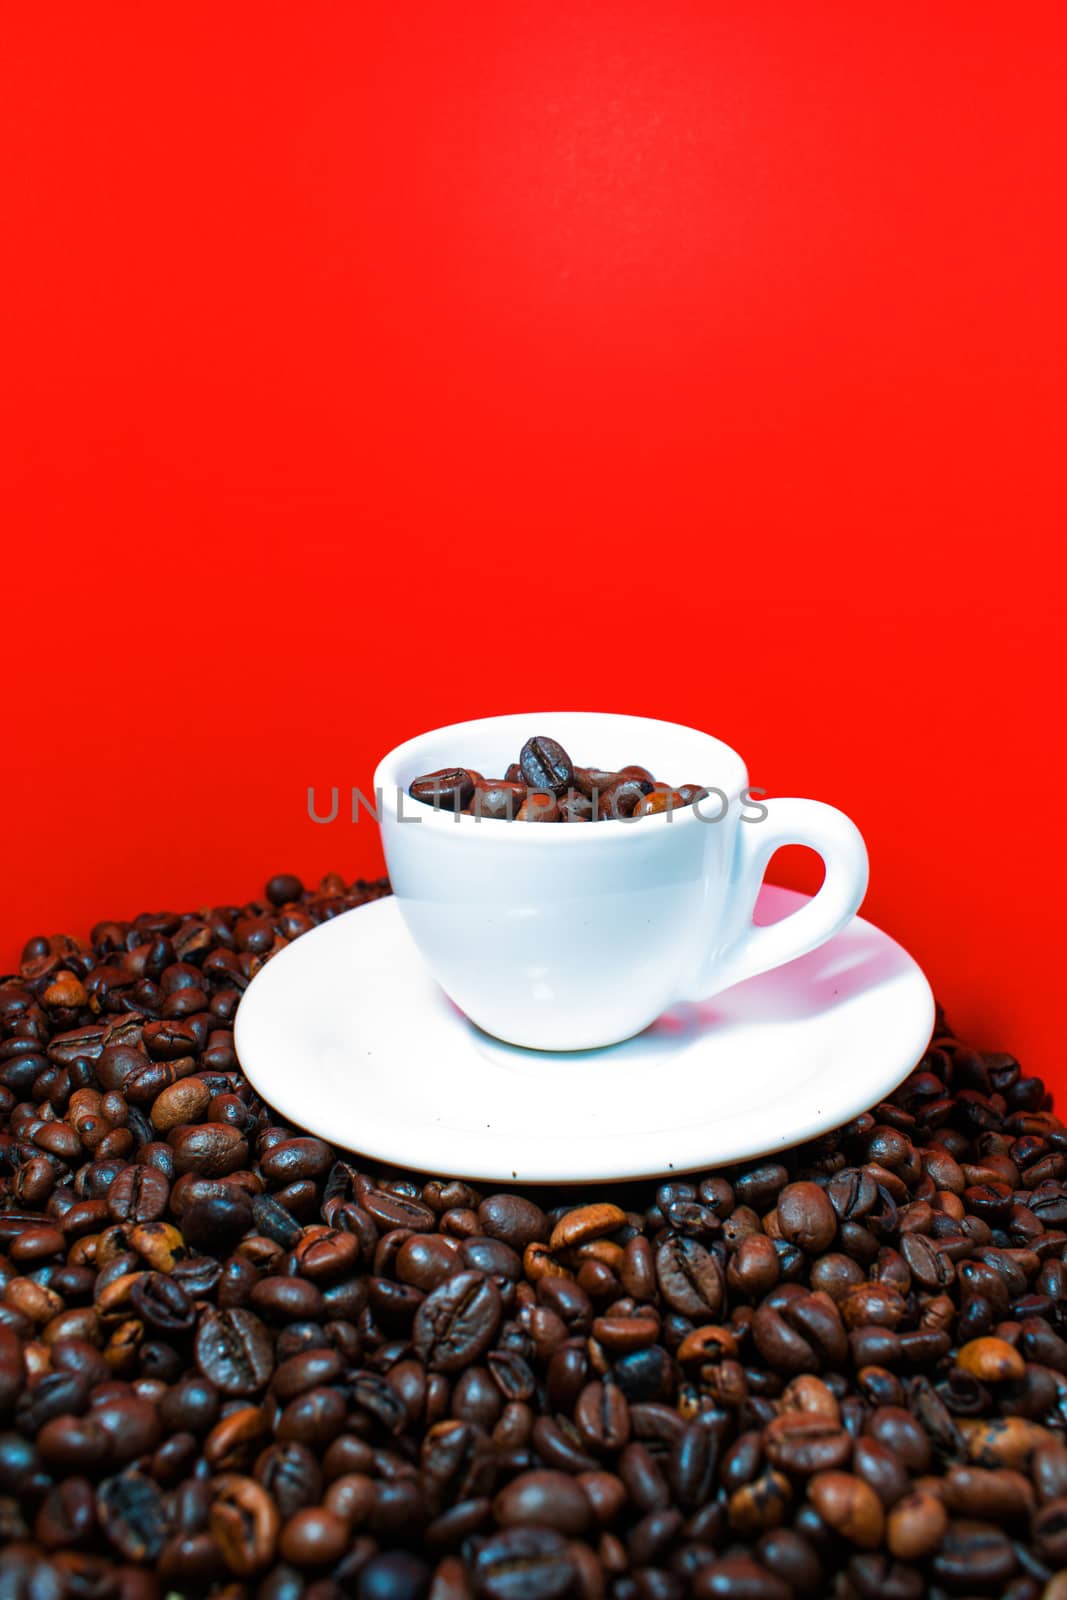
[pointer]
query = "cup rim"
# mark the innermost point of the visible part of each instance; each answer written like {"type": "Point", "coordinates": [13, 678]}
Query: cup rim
{"type": "Point", "coordinates": [465, 826]}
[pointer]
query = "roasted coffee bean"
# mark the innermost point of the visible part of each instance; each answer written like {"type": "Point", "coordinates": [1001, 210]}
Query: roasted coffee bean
{"type": "Point", "coordinates": [738, 1578]}
{"type": "Point", "coordinates": [988, 1494]}
{"type": "Point", "coordinates": [991, 1360]}
{"type": "Point", "coordinates": [67, 1515]}
{"type": "Point", "coordinates": [284, 888]}
{"type": "Point", "coordinates": [138, 1194]}
{"type": "Point", "coordinates": [233, 1350]}
{"type": "Point", "coordinates": [395, 1575]}
{"type": "Point", "coordinates": [622, 1335]}
{"type": "Point", "coordinates": [523, 1564]}
{"type": "Point", "coordinates": [1048, 1468]}
{"type": "Point", "coordinates": [931, 1267]}
{"type": "Point", "coordinates": [274, 1221]}
{"type": "Point", "coordinates": [973, 1558]}
{"type": "Point", "coordinates": [218, 1221]}
{"type": "Point", "coordinates": [497, 799]}
{"type": "Point", "coordinates": [181, 1102]}
{"type": "Point", "coordinates": [544, 1499]}
{"type": "Point", "coordinates": [291, 1475]}
{"type": "Point", "coordinates": [313, 1537]}
{"type": "Point", "coordinates": [449, 788]}
{"type": "Point", "coordinates": [622, 798]}
{"type": "Point", "coordinates": [546, 765]}
{"type": "Point", "coordinates": [295, 1159]}
{"type": "Point", "coordinates": [664, 799]}
{"type": "Point", "coordinates": [53, 1395]}
{"type": "Point", "coordinates": [231, 1357]}
{"type": "Point", "coordinates": [209, 1149]}
{"type": "Point", "coordinates": [514, 1219]}
{"type": "Point", "coordinates": [131, 1512]}
{"type": "Point", "coordinates": [288, 1299]}
{"type": "Point", "coordinates": [397, 1211]}
{"type": "Point", "coordinates": [542, 786]}
{"type": "Point", "coordinates": [602, 1416]}
{"type": "Point", "coordinates": [477, 1398]}
{"type": "Point", "coordinates": [457, 1323]}
{"type": "Point", "coordinates": [244, 1521]}
{"type": "Point", "coordinates": [585, 1223]}
{"type": "Point", "coordinates": [806, 1217]}
{"type": "Point", "coordinates": [162, 1303]}
{"type": "Point", "coordinates": [850, 1506]}
{"type": "Point", "coordinates": [803, 1443]}
{"type": "Point", "coordinates": [325, 1255]}
{"type": "Point", "coordinates": [307, 1370]}
{"type": "Point", "coordinates": [574, 807]}
{"type": "Point", "coordinates": [693, 1460]}
{"type": "Point", "coordinates": [590, 781]}
{"type": "Point", "coordinates": [916, 1525]}
{"type": "Point", "coordinates": [426, 1260]}
{"type": "Point", "coordinates": [690, 1277]}
{"type": "Point", "coordinates": [493, 1257]}
{"type": "Point", "coordinates": [74, 1444]}
{"type": "Point", "coordinates": [879, 1467]}
{"type": "Point", "coordinates": [313, 1418]}
{"type": "Point", "coordinates": [132, 1424]}
{"type": "Point", "coordinates": [537, 806]}
{"type": "Point", "coordinates": [760, 1504]}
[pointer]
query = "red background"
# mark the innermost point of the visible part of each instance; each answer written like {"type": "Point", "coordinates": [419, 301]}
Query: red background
{"type": "Point", "coordinates": [367, 368]}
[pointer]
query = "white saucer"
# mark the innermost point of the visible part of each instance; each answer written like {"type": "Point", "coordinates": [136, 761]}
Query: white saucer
{"type": "Point", "coordinates": [346, 1034]}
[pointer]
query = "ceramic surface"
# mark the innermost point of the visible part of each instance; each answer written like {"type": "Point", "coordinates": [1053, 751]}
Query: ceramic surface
{"type": "Point", "coordinates": [571, 936]}
{"type": "Point", "coordinates": [347, 1035]}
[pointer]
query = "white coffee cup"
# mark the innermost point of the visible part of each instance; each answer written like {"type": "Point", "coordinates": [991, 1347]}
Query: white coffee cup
{"type": "Point", "coordinates": [570, 936]}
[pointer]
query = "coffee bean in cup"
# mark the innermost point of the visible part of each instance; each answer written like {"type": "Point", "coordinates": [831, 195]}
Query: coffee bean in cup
{"type": "Point", "coordinates": [544, 785]}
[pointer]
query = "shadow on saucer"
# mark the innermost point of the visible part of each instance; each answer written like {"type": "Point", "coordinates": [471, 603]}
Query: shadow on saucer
{"type": "Point", "coordinates": [824, 979]}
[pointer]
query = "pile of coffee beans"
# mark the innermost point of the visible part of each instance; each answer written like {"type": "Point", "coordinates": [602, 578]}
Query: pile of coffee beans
{"type": "Point", "coordinates": [544, 785]}
{"type": "Point", "coordinates": [235, 1361]}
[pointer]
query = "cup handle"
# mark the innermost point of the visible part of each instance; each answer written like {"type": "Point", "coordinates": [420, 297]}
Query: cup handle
{"type": "Point", "coordinates": [753, 949]}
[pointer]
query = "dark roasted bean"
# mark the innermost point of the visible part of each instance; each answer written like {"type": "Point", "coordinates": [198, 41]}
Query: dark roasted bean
{"type": "Point", "coordinates": [543, 786]}
{"type": "Point", "coordinates": [523, 1564]}
{"type": "Point", "coordinates": [545, 1499]}
{"type": "Point", "coordinates": [546, 765]}
{"type": "Point", "coordinates": [67, 1515]}
{"type": "Point", "coordinates": [74, 1444]}
{"type": "Point", "coordinates": [313, 1537]}
{"type": "Point", "coordinates": [244, 1522]}
{"type": "Point", "coordinates": [458, 1322]}
{"type": "Point", "coordinates": [131, 1512]}
{"type": "Point", "coordinates": [449, 788]}
{"type": "Point", "coordinates": [602, 1415]}
{"type": "Point", "coordinates": [296, 1158]}
{"type": "Point", "coordinates": [286, 1299]}
{"type": "Point", "coordinates": [806, 1217]}
{"type": "Point", "coordinates": [690, 1277]}
{"type": "Point", "coordinates": [138, 1194]}
{"type": "Point", "coordinates": [974, 1558]}
{"type": "Point", "coordinates": [291, 1475]}
{"type": "Point", "coordinates": [516, 1220]}
{"type": "Point", "coordinates": [850, 1506]}
{"type": "Point", "coordinates": [230, 1357]}
{"type": "Point", "coordinates": [233, 1350]}
{"type": "Point", "coordinates": [738, 1578]}
{"type": "Point", "coordinates": [804, 1443]}
{"type": "Point", "coordinates": [622, 798]}
{"type": "Point", "coordinates": [537, 806]}
{"type": "Point", "coordinates": [209, 1149]}
{"type": "Point", "coordinates": [393, 1575]}
{"type": "Point", "coordinates": [497, 800]}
